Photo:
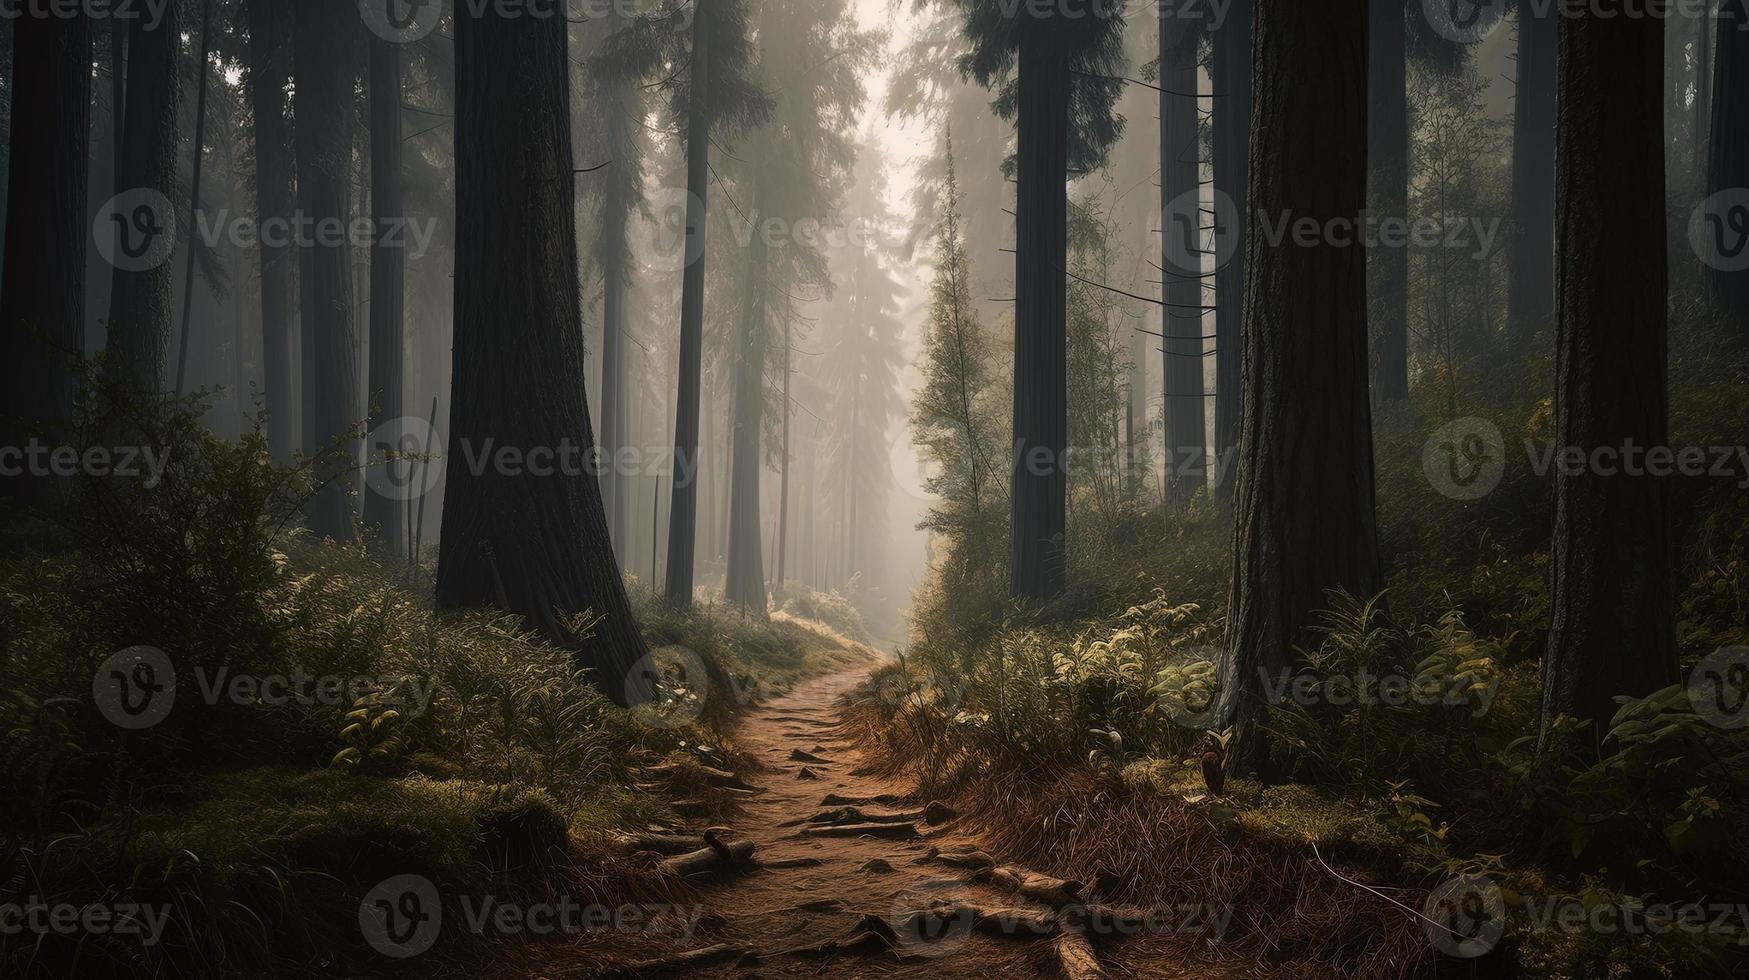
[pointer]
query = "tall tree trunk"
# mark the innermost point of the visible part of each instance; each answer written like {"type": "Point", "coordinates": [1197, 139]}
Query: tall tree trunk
{"type": "Point", "coordinates": [274, 199]}
{"type": "Point", "coordinates": [1041, 405]}
{"type": "Point", "coordinates": [1727, 233]}
{"type": "Point", "coordinates": [1388, 161]}
{"type": "Point", "coordinates": [683, 515]}
{"type": "Point", "coordinates": [388, 281]}
{"type": "Point", "coordinates": [622, 178]}
{"type": "Point", "coordinates": [1304, 519]}
{"type": "Point", "coordinates": [198, 153]}
{"type": "Point", "coordinates": [1232, 150]}
{"type": "Point", "coordinates": [325, 43]}
{"type": "Point", "coordinates": [1182, 240]}
{"type": "Point", "coordinates": [1703, 91]}
{"type": "Point", "coordinates": [42, 284]}
{"type": "Point", "coordinates": [744, 583]}
{"type": "Point", "coordinates": [140, 298]}
{"type": "Point", "coordinates": [1531, 282]}
{"type": "Point", "coordinates": [783, 480]}
{"type": "Point", "coordinates": [1611, 627]}
{"type": "Point", "coordinates": [529, 543]}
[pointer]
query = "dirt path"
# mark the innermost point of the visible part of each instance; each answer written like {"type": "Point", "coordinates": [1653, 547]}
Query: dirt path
{"type": "Point", "coordinates": [773, 910]}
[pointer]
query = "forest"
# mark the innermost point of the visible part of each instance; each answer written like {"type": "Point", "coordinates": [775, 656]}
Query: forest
{"type": "Point", "coordinates": [874, 488]}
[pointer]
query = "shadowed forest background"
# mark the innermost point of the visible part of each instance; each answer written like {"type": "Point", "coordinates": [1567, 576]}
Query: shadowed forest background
{"type": "Point", "coordinates": [1193, 488]}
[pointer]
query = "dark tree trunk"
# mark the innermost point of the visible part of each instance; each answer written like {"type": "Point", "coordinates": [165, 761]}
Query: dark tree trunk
{"type": "Point", "coordinates": [531, 543]}
{"type": "Point", "coordinates": [1041, 404]}
{"type": "Point", "coordinates": [1728, 168]}
{"type": "Point", "coordinates": [1531, 282]}
{"type": "Point", "coordinates": [139, 300]}
{"type": "Point", "coordinates": [1304, 521]}
{"type": "Point", "coordinates": [388, 277]}
{"type": "Point", "coordinates": [326, 39]}
{"type": "Point", "coordinates": [1182, 247]}
{"type": "Point", "coordinates": [744, 584]}
{"type": "Point", "coordinates": [1232, 147]}
{"type": "Point", "coordinates": [203, 53]}
{"type": "Point", "coordinates": [42, 287]}
{"type": "Point", "coordinates": [268, 74]}
{"type": "Point", "coordinates": [1388, 161]}
{"type": "Point", "coordinates": [683, 513]}
{"type": "Point", "coordinates": [1611, 626]}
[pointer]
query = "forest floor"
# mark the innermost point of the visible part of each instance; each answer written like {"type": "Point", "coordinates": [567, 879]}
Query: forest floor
{"type": "Point", "coordinates": [780, 922]}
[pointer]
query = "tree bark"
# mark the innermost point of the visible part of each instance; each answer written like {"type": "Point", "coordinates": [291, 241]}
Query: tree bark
{"type": "Point", "coordinates": [1728, 162]}
{"type": "Point", "coordinates": [1232, 147]}
{"type": "Point", "coordinates": [744, 584]}
{"type": "Point", "coordinates": [325, 43]}
{"type": "Point", "coordinates": [1304, 518]}
{"type": "Point", "coordinates": [1388, 160]}
{"type": "Point", "coordinates": [1611, 626]}
{"type": "Point", "coordinates": [274, 199]}
{"type": "Point", "coordinates": [529, 542]}
{"type": "Point", "coordinates": [139, 301]}
{"type": "Point", "coordinates": [1182, 247]}
{"type": "Point", "coordinates": [683, 512]}
{"type": "Point", "coordinates": [388, 278]}
{"type": "Point", "coordinates": [42, 285]}
{"type": "Point", "coordinates": [1041, 413]}
{"type": "Point", "coordinates": [1531, 282]}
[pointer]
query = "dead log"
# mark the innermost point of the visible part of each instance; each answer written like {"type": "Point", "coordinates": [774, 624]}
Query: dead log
{"type": "Point", "coordinates": [959, 859]}
{"type": "Point", "coordinates": [884, 799]}
{"type": "Point", "coordinates": [708, 860]}
{"type": "Point", "coordinates": [1075, 956]}
{"type": "Point", "coordinates": [709, 775]}
{"type": "Point", "coordinates": [781, 863]}
{"type": "Point", "coordinates": [692, 957]}
{"type": "Point", "coordinates": [1055, 892]}
{"type": "Point", "coordinates": [934, 813]}
{"type": "Point", "coordinates": [885, 831]}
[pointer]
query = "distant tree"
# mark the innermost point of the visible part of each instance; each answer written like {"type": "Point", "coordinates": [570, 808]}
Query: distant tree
{"type": "Point", "coordinates": [1304, 523]}
{"type": "Point", "coordinates": [1531, 283]}
{"type": "Point", "coordinates": [42, 288]}
{"type": "Point", "coordinates": [269, 71]}
{"type": "Point", "coordinates": [1611, 629]}
{"type": "Point", "coordinates": [953, 423]}
{"type": "Point", "coordinates": [1058, 77]}
{"type": "Point", "coordinates": [533, 544]}
{"type": "Point", "coordinates": [1388, 159]}
{"type": "Point", "coordinates": [326, 44]}
{"type": "Point", "coordinates": [712, 90]}
{"type": "Point", "coordinates": [139, 300]}
{"type": "Point", "coordinates": [384, 513]}
{"type": "Point", "coordinates": [1186, 404]}
{"type": "Point", "coordinates": [797, 168]}
{"type": "Point", "coordinates": [1231, 151]}
{"type": "Point", "coordinates": [1728, 160]}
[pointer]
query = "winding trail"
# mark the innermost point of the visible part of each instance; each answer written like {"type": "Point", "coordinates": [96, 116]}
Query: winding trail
{"type": "Point", "coordinates": [773, 912]}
